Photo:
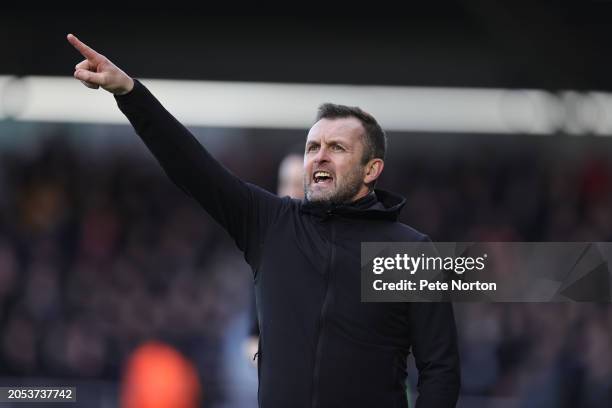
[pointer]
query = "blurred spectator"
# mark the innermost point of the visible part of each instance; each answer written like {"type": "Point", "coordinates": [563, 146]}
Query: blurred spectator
{"type": "Point", "coordinates": [158, 376]}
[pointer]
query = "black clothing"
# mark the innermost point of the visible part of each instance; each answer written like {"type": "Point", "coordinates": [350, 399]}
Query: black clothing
{"type": "Point", "coordinates": [320, 346]}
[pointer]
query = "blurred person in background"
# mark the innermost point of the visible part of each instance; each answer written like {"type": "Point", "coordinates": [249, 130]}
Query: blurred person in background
{"type": "Point", "coordinates": [158, 376]}
{"type": "Point", "coordinates": [319, 345]}
{"type": "Point", "coordinates": [291, 176]}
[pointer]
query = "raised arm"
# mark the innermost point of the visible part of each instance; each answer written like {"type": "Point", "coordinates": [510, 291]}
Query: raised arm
{"type": "Point", "coordinates": [243, 209]}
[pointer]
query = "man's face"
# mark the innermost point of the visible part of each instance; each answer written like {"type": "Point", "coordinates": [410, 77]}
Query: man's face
{"type": "Point", "coordinates": [333, 169]}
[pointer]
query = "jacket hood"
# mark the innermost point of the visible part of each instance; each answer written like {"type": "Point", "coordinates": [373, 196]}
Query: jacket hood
{"type": "Point", "coordinates": [379, 204]}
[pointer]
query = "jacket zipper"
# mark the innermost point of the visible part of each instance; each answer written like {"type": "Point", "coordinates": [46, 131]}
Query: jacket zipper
{"type": "Point", "coordinates": [319, 344]}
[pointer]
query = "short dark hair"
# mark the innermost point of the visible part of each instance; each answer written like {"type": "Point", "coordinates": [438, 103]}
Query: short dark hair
{"type": "Point", "coordinates": [374, 137]}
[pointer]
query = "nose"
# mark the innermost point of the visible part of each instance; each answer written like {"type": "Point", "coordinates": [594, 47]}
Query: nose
{"type": "Point", "coordinates": [322, 155]}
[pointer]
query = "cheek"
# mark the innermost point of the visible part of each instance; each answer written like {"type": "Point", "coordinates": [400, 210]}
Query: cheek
{"type": "Point", "coordinates": [345, 169]}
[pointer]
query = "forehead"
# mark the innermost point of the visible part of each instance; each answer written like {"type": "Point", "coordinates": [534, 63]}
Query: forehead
{"type": "Point", "coordinates": [347, 130]}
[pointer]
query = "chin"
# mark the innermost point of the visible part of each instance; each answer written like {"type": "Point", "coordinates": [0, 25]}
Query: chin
{"type": "Point", "coordinates": [320, 196]}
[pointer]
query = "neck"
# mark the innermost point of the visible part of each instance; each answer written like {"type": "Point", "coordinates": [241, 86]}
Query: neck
{"type": "Point", "coordinates": [364, 191]}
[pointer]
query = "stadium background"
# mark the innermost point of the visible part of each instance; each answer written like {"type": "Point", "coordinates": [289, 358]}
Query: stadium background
{"type": "Point", "coordinates": [100, 253]}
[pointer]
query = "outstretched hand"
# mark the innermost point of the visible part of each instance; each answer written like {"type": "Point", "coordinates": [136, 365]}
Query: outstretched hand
{"type": "Point", "coordinates": [98, 71]}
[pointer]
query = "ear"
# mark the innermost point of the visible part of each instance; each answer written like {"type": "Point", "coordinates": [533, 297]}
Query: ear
{"type": "Point", "coordinates": [373, 170]}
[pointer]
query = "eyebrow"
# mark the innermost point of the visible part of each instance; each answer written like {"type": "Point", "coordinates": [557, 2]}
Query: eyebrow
{"type": "Point", "coordinates": [331, 142]}
{"type": "Point", "coordinates": [337, 142]}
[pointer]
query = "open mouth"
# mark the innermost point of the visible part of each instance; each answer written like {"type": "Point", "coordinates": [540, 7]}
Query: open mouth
{"type": "Point", "coordinates": [322, 177]}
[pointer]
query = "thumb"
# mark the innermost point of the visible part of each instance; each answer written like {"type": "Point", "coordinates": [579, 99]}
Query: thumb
{"type": "Point", "coordinates": [90, 85]}
{"type": "Point", "coordinates": [95, 78]}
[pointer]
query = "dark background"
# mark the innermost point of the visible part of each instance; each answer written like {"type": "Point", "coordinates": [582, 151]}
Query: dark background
{"type": "Point", "coordinates": [537, 44]}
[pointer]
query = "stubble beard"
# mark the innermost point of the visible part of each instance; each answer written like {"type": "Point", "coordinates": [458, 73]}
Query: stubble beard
{"type": "Point", "coordinates": [341, 194]}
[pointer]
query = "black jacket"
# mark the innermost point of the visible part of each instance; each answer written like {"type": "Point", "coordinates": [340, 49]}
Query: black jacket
{"type": "Point", "coordinates": [320, 346]}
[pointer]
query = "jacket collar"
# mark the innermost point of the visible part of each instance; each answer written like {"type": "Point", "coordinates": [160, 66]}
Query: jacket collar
{"type": "Point", "coordinates": [379, 204]}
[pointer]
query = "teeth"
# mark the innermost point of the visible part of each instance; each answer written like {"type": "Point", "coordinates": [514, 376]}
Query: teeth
{"type": "Point", "coordinates": [322, 174]}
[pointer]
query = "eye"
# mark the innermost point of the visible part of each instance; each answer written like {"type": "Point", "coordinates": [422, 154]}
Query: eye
{"type": "Point", "coordinates": [312, 148]}
{"type": "Point", "coordinates": [337, 147]}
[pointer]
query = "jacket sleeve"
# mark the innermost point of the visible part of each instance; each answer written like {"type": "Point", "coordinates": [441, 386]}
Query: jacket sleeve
{"type": "Point", "coordinates": [436, 353]}
{"type": "Point", "coordinates": [244, 210]}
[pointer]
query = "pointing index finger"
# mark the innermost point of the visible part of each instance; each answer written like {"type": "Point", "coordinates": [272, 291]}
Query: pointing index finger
{"type": "Point", "coordinates": [85, 50]}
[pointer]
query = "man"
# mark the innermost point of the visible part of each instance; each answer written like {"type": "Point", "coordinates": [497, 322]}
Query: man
{"type": "Point", "coordinates": [320, 346]}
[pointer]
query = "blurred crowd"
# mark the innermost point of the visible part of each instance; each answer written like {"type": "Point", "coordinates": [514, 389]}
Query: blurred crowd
{"type": "Point", "coordinates": [100, 252]}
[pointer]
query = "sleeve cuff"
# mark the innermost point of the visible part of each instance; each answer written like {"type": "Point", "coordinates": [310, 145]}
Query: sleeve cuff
{"type": "Point", "coordinates": [136, 93]}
